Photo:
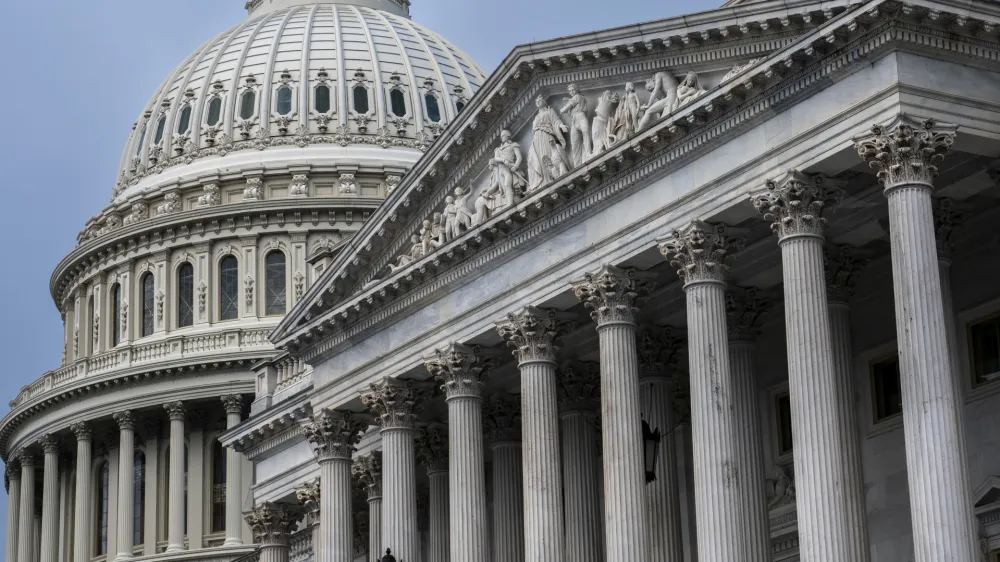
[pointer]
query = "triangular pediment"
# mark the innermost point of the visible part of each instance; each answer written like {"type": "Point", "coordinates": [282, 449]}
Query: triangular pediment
{"type": "Point", "coordinates": [988, 493]}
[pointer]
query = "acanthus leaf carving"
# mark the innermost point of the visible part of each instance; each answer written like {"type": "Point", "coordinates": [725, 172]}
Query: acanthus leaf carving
{"type": "Point", "coordinates": [906, 151]}
{"type": "Point", "coordinates": [701, 252]}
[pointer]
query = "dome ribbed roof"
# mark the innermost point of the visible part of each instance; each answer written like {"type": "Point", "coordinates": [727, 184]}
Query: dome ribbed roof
{"type": "Point", "coordinates": [302, 75]}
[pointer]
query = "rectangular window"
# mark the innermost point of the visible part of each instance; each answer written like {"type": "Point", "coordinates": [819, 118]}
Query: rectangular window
{"type": "Point", "coordinates": [783, 423]}
{"type": "Point", "coordinates": [887, 397]}
{"type": "Point", "coordinates": [984, 349]}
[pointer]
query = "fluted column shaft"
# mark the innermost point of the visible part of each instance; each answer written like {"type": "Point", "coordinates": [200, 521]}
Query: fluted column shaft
{"type": "Point", "coordinates": [749, 451]}
{"type": "Point", "coordinates": [439, 524]}
{"type": "Point", "coordinates": [13, 513]}
{"type": "Point", "coordinates": [126, 483]}
{"type": "Point", "coordinates": [335, 513]}
{"type": "Point", "coordinates": [665, 543]}
{"type": "Point", "coordinates": [26, 525]}
{"type": "Point", "coordinates": [467, 512]}
{"type": "Point", "coordinates": [508, 502]}
{"type": "Point", "coordinates": [273, 525]}
{"type": "Point", "coordinates": [543, 517]}
{"type": "Point", "coordinates": [175, 501]}
{"type": "Point", "coordinates": [399, 490]}
{"type": "Point", "coordinates": [375, 543]}
{"type": "Point", "coordinates": [275, 552]}
{"type": "Point", "coordinates": [234, 475]}
{"type": "Point", "coordinates": [582, 487]}
{"type": "Point", "coordinates": [81, 504]}
{"type": "Point", "coordinates": [49, 539]}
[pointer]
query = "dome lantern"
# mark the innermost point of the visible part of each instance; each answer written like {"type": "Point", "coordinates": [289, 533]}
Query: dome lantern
{"type": "Point", "coordinates": [397, 7]}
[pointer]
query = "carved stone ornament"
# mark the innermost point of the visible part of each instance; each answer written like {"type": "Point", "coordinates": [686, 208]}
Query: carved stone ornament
{"type": "Point", "coordinates": [272, 523]}
{"type": "Point", "coordinates": [299, 281]}
{"type": "Point", "coordinates": [842, 268]}
{"type": "Point", "coordinates": [124, 317]}
{"type": "Point", "coordinates": [232, 403]}
{"type": "Point", "coordinates": [701, 252]}
{"type": "Point", "coordinates": [611, 293]}
{"type": "Point", "coordinates": [348, 185]}
{"type": "Point", "coordinates": [140, 212]}
{"type": "Point", "coordinates": [27, 458]}
{"type": "Point", "coordinates": [432, 449]}
{"type": "Point", "coordinates": [82, 431]}
{"type": "Point", "coordinates": [175, 411]}
{"type": "Point", "coordinates": [333, 434]}
{"type": "Point", "coordinates": [254, 190]}
{"type": "Point", "coordinates": [659, 350]}
{"type": "Point", "coordinates": [744, 308]}
{"type": "Point", "coordinates": [248, 284]}
{"type": "Point", "coordinates": [459, 369]}
{"type": "Point", "coordinates": [579, 387]}
{"type": "Point", "coordinates": [125, 419]}
{"type": "Point", "coordinates": [202, 296]}
{"type": "Point", "coordinates": [367, 469]}
{"type": "Point", "coordinates": [299, 186]}
{"type": "Point", "coordinates": [159, 305]}
{"type": "Point", "coordinates": [171, 204]}
{"type": "Point", "coordinates": [210, 195]}
{"type": "Point", "coordinates": [502, 419]}
{"type": "Point", "coordinates": [906, 151]}
{"type": "Point", "coordinates": [532, 334]}
{"type": "Point", "coordinates": [49, 443]}
{"type": "Point", "coordinates": [796, 204]}
{"type": "Point", "coordinates": [393, 402]}
{"type": "Point", "coordinates": [391, 182]}
{"type": "Point", "coordinates": [946, 218]}
{"type": "Point", "coordinates": [309, 496]}
{"type": "Point", "coordinates": [780, 488]}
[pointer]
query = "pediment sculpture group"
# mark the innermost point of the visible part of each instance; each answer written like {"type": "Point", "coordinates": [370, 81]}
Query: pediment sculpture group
{"type": "Point", "coordinates": [556, 147]}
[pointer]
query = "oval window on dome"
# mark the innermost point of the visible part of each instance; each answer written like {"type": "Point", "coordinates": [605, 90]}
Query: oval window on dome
{"type": "Point", "coordinates": [398, 103]}
{"type": "Point", "coordinates": [184, 123]}
{"type": "Point", "coordinates": [360, 99]}
{"type": "Point", "coordinates": [142, 137]}
{"type": "Point", "coordinates": [433, 110]}
{"type": "Point", "coordinates": [283, 101]}
{"type": "Point", "coordinates": [214, 112]}
{"type": "Point", "coordinates": [160, 125]}
{"type": "Point", "coordinates": [322, 99]}
{"type": "Point", "coordinates": [247, 103]}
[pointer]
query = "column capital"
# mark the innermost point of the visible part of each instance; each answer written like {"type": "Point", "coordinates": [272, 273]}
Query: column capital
{"type": "Point", "coordinates": [333, 434]}
{"type": "Point", "coordinates": [460, 369]}
{"type": "Point", "coordinates": [272, 523]}
{"type": "Point", "coordinates": [233, 403]}
{"type": "Point", "coordinates": [125, 420]}
{"type": "Point", "coordinates": [26, 458]}
{"type": "Point", "coordinates": [502, 419]}
{"type": "Point", "coordinates": [701, 252]}
{"type": "Point", "coordinates": [393, 402]}
{"type": "Point", "coordinates": [533, 333]}
{"type": "Point", "coordinates": [796, 203]}
{"type": "Point", "coordinates": [175, 411]}
{"type": "Point", "coordinates": [82, 430]}
{"type": "Point", "coordinates": [947, 217]}
{"type": "Point", "coordinates": [659, 350]}
{"type": "Point", "coordinates": [906, 151]}
{"type": "Point", "coordinates": [368, 470]}
{"type": "Point", "coordinates": [611, 293]}
{"type": "Point", "coordinates": [432, 449]}
{"type": "Point", "coordinates": [309, 495]}
{"type": "Point", "coordinates": [12, 470]}
{"type": "Point", "coordinates": [579, 387]}
{"type": "Point", "coordinates": [50, 443]}
{"type": "Point", "coordinates": [744, 307]}
{"type": "Point", "coordinates": [842, 269]}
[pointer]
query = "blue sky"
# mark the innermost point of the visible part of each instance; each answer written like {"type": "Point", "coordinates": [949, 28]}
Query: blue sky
{"type": "Point", "coordinates": [79, 72]}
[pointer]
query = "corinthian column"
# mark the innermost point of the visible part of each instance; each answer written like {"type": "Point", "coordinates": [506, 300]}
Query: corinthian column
{"type": "Point", "coordinates": [84, 484]}
{"type": "Point", "coordinates": [233, 404]}
{"type": "Point", "coordinates": [659, 350]}
{"type": "Point", "coordinates": [368, 470]}
{"type": "Point", "coordinates": [394, 402]}
{"type": "Point", "coordinates": [906, 154]}
{"type": "Point", "coordinates": [432, 449]}
{"type": "Point", "coordinates": [272, 525]}
{"type": "Point", "coordinates": [503, 427]}
{"type": "Point", "coordinates": [700, 252]}
{"type": "Point", "coordinates": [309, 497]}
{"type": "Point", "coordinates": [743, 310]}
{"type": "Point", "coordinates": [126, 479]}
{"type": "Point", "coordinates": [531, 333]}
{"type": "Point", "coordinates": [333, 436]}
{"type": "Point", "coordinates": [841, 271]}
{"type": "Point", "coordinates": [946, 220]}
{"type": "Point", "coordinates": [13, 508]}
{"type": "Point", "coordinates": [579, 401]}
{"type": "Point", "coordinates": [49, 538]}
{"type": "Point", "coordinates": [26, 525]}
{"type": "Point", "coordinates": [460, 371]}
{"type": "Point", "coordinates": [175, 501]}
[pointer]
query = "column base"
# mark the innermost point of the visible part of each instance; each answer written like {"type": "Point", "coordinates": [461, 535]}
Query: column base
{"type": "Point", "coordinates": [174, 548]}
{"type": "Point", "coordinates": [123, 557]}
{"type": "Point", "coordinates": [233, 541]}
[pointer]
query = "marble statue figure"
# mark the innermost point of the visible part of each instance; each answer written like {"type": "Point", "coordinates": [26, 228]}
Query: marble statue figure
{"type": "Point", "coordinates": [604, 122]}
{"type": "Point", "coordinates": [579, 129]}
{"type": "Point", "coordinates": [662, 98]}
{"type": "Point", "coordinates": [627, 115]}
{"type": "Point", "coordinates": [688, 90]}
{"type": "Point", "coordinates": [415, 253]}
{"type": "Point", "coordinates": [506, 179]}
{"type": "Point", "coordinates": [547, 145]}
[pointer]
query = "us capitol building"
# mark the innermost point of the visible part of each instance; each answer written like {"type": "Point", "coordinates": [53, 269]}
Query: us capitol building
{"type": "Point", "coordinates": [713, 288]}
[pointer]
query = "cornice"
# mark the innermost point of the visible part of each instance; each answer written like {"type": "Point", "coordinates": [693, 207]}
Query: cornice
{"type": "Point", "coordinates": [789, 74]}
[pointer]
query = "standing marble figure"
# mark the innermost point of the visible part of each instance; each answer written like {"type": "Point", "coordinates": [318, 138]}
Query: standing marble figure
{"type": "Point", "coordinates": [506, 179]}
{"type": "Point", "coordinates": [579, 129]}
{"type": "Point", "coordinates": [547, 144]}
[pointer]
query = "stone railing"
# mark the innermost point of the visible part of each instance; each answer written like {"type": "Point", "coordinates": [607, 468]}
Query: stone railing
{"type": "Point", "coordinates": [138, 354]}
{"type": "Point", "coordinates": [301, 546]}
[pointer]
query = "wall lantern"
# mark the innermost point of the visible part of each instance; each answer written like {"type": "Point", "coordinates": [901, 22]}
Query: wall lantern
{"type": "Point", "coordinates": [650, 449]}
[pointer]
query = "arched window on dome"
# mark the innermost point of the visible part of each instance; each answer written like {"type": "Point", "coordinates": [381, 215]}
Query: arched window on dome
{"type": "Point", "coordinates": [397, 102]}
{"type": "Point", "coordinates": [214, 112]}
{"type": "Point", "coordinates": [283, 100]}
{"type": "Point", "coordinates": [322, 99]}
{"type": "Point", "coordinates": [141, 139]}
{"type": "Point", "coordinates": [218, 487]}
{"type": "Point", "coordinates": [433, 108]}
{"type": "Point", "coordinates": [139, 498]}
{"type": "Point", "coordinates": [248, 104]}
{"type": "Point", "coordinates": [185, 295]}
{"type": "Point", "coordinates": [459, 106]}
{"type": "Point", "coordinates": [101, 508]}
{"type": "Point", "coordinates": [229, 289]}
{"type": "Point", "coordinates": [148, 304]}
{"type": "Point", "coordinates": [116, 314]}
{"type": "Point", "coordinates": [274, 293]}
{"type": "Point", "coordinates": [161, 124]}
{"type": "Point", "coordinates": [359, 94]}
{"type": "Point", "coordinates": [184, 122]}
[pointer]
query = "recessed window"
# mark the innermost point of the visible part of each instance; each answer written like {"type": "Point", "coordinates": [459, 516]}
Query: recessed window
{"type": "Point", "coordinates": [984, 347]}
{"type": "Point", "coordinates": [398, 103]}
{"type": "Point", "coordinates": [184, 123]}
{"type": "Point", "coordinates": [283, 101]}
{"type": "Point", "coordinates": [139, 498]}
{"type": "Point", "coordinates": [116, 314]}
{"type": "Point", "coordinates": [322, 98]}
{"type": "Point", "coordinates": [229, 289]}
{"type": "Point", "coordinates": [218, 488]}
{"type": "Point", "coordinates": [783, 423]}
{"type": "Point", "coordinates": [274, 265]}
{"type": "Point", "coordinates": [887, 398]}
{"type": "Point", "coordinates": [360, 94]}
{"type": "Point", "coordinates": [248, 102]}
{"type": "Point", "coordinates": [160, 126]}
{"type": "Point", "coordinates": [185, 295]}
{"type": "Point", "coordinates": [142, 138]}
{"type": "Point", "coordinates": [90, 322]}
{"type": "Point", "coordinates": [433, 111]}
{"type": "Point", "coordinates": [103, 497]}
{"type": "Point", "coordinates": [214, 111]}
{"type": "Point", "coordinates": [147, 305]}
{"type": "Point", "coordinates": [459, 105]}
